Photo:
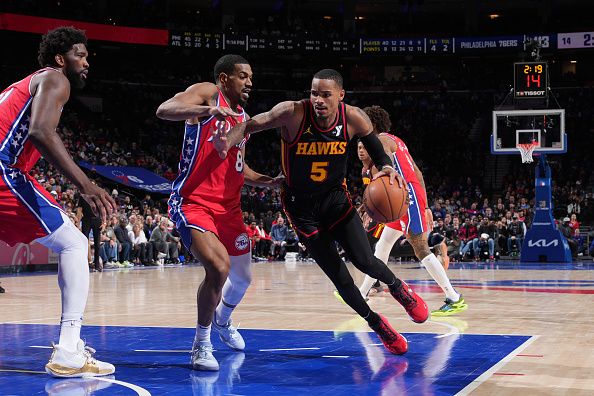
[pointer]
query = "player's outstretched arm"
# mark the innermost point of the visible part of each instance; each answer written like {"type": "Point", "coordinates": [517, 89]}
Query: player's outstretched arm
{"type": "Point", "coordinates": [276, 117]}
{"type": "Point", "coordinates": [192, 104]}
{"type": "Point", "coordinates": [51, 94]}
{"type": "Point", "coordinates": [255, 179]}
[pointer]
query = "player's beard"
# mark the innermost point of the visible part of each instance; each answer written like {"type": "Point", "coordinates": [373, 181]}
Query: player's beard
{"type": "Point", "coordinates": [243, 102]}
{"type": "Point", "coordinates": [73, 76]}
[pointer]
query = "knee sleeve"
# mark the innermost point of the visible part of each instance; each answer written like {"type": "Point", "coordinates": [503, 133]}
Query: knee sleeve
{"type": "Point", "coordinates": [383, 247]}
{"type": "Point", "coordinates": [73, 273]}
{"type": "Point", "coordinates": [239, 279]}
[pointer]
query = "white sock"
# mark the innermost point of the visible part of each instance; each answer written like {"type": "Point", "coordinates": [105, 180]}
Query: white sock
{"type": "Point", "coordinates": [237, 283]}
{"type": "Point", "coordinates": [435, 269]}
{"type": "Point", "coordinates": [366, 285]}
{"type": "Point", "coordinates": [223, 312]}
{"type": "Point", "coordinates": [202, 336]}
{"type": "Point", "coordinates": [69, 334]}
{"type": "Point", "coordinates": [383, 247]}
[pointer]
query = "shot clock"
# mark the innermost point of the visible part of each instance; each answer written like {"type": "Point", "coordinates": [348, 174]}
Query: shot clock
{"type": "Point", "coordinates": [530, 80]}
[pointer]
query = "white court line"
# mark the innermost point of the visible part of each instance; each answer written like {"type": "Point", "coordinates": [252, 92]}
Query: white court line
{"type": "Point", "coordinates": [165, 350]}
{"type": "Point", "coordinates": [487, 374]}
{"type": "Point", "coordinates": [40, 346]}
{"type": "Point", "coordinates": [289, 349]}
{"type": "Point", "coordinates": [453, 329]}
{"type": "Point", "coordinates": [22, 371]}
{"type": "Point", "coordinates": [140, 391]}
{"type": "Point", "coordinates": [336, 356]}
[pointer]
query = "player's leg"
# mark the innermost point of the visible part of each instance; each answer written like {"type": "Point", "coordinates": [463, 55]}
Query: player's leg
{"type": "Point", "coordinates": [70, 357]}
{"type": "Point", "coordinates": [323, 250]}
{"type": "Point", "coordinates": [211, 253]}
{"type": "Point", "coordinates": [240, 277]}
{"type": "Point", "coordinates": [382, 251]}
{"type": "Point", "coordinates": [454, 302]}
{"type": "Point", "coordinates": [236, 241]}
{"type": "Point", "coordinates": [417, 233]}
{"type": "Point", "coordinates": [351, 236]}
{"type": "Point", "coordinates": [30, 213]}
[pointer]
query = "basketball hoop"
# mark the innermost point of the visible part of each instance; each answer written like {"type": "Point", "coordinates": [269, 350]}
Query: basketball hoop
{"type": "Point", "coordinates": [526, 149]}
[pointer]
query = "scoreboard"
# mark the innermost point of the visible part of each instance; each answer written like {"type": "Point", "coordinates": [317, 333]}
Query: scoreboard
{"type": "Point", "coordinates": [531, 80]}
{"type": "Point", "coordinates": [375, 46]}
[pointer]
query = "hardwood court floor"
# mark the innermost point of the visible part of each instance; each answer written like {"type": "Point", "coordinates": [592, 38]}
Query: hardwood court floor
{"type": "Point", "coordinates": [550, 302]}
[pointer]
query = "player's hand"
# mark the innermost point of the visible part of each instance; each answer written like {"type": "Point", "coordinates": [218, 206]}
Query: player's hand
{"type": "Point", "coordinates": [220, 113]}
{"type": "Point", "coordinates": [277, 181]}
{"type": "Point", "coordinates": [99, 200]}
{"type": "Point", "coordinates": [220, 141]}
{"type": "Point", "coordinates": [394, 176]}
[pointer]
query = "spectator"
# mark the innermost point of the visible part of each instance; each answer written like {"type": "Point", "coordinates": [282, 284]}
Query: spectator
{"type": "Point", "coordinates": [486, 238]}
{"type": "Point", "coordinates": [142, 251]}
{"type": "Point", "coordinates": [279, 234]}
{"type": "Point", "coordinates": [516, 231]}
{"type": "Point", "coordinates": [468, 234]}
{"type": "Point", "coordinates": [161, 240]}
{"type": "Point", "coordinates": [567, 233]}
{"type": "Point", "coordinates": [149, 225]}
{"type": "Point", "coordinates": [124, 241]}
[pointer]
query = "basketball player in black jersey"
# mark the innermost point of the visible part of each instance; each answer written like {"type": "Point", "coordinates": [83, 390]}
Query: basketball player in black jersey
{"type": "Point", "coordinates": [315, 133]}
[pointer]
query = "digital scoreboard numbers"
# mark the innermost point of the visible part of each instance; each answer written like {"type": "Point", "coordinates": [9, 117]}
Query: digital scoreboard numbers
{"type": "Point", "coordinates": [440, 45]}
{"type": "Point", "coordinates": [392, 46]}
{"type": "Point", "coordinates": [530, 80]}
{"type": "Point", "coordinates": [196, 40]}
{"type": "Point", "coordinates": [575, 40]}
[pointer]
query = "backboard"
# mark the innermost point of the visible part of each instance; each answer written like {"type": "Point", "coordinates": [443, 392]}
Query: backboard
{"type": "Point", "coordinates": [514, 127]}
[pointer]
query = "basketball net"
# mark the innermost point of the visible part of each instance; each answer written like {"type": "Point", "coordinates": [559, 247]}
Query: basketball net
{"type": "Point", "coordinates": [526, 149]}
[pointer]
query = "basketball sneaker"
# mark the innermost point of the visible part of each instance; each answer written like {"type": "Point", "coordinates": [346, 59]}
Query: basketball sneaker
{"type": "Point", "coordinates": [80, 363]}
{"type": "Point", "coordinates": [229, 335]}
{"type": "Point", "coordinates": [2, 290]}
{"type": "Point", "coordinates": [203, 359]}
{"type": "Point", "coordinates": [411, 301]}
{"type": "Point", "coordinates": [394, 342]}
{"type": "Point", "coordinates": [451, 307]}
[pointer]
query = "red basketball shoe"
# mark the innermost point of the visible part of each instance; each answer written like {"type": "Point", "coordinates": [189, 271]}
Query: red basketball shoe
{"type": "Point", "coordinates": [412, 303]}
{"type": "Point", "coordinates": [394, 342]}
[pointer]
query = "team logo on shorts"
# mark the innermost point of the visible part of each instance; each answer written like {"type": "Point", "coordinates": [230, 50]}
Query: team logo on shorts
{"type": "Point", "coordinates": [242, 242]}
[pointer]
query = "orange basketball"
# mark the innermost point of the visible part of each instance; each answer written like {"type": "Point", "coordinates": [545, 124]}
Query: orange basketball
{"type": "Point", "coordinates": [385, 202]}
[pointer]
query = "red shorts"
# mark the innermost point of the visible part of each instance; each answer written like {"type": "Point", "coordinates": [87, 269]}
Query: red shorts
{"type": "Point", "coordinates": [414, 221]}
{"type": "Point", "coordinates": [27, 210]}
{"type": "Point", "coordinates": [228, 226]}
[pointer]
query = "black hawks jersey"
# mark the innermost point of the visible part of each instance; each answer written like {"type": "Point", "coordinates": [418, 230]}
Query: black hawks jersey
{"type": "Point", "coordinates": [316, 159]}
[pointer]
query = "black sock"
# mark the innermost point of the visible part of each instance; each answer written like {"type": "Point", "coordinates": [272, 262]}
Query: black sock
{"type": "Point", "coordinates": [396, 285]}
{"type": "Point", "coordinates": [372, 318]}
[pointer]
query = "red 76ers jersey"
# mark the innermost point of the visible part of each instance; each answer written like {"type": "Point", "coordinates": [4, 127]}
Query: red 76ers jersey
{"type": "Point", "coordinates": [403, 160]}
{"type": "Point", "coordinates": [204, 178]}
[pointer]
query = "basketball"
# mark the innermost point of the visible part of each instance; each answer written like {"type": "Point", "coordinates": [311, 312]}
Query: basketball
{"type": "Point", "coordinates": [385, 202]}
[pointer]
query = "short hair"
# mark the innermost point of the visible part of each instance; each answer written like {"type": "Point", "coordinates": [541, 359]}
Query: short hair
{"type": "Point", "coordinates": [380, 119]}
{"type": "Point", "coordinates": [330, 74]}
{"type": "Point", "coordinates": [226, 64]}
{"type": "Point", "coordinates": [59, 41]}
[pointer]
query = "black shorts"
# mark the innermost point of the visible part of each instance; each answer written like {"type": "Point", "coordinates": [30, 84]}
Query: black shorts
{"type": "Point", "coordinates": [311, 213]}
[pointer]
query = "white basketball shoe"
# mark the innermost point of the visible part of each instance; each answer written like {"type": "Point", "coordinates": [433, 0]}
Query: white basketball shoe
{"type": "Point", "coordinates": [202, 358]}
{"type": "Point", "coordinates": [229, 335]}
{"type": "Point", "coordinates": [80, 363]}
